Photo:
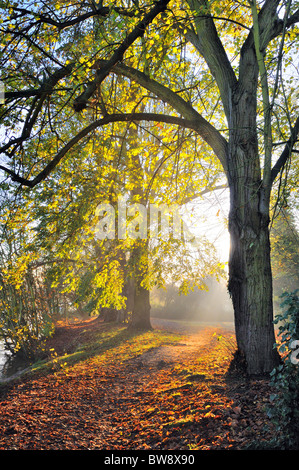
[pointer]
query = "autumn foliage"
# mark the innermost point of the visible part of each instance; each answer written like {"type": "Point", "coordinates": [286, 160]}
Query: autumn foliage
{"type": "Point", "coordinates": [154, 390]}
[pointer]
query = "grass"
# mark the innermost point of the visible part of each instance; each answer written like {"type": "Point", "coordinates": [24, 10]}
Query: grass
{"type": "Point", "coordinates": [113, 344]}
{"type": "Point", "coordinates": [98, 397]}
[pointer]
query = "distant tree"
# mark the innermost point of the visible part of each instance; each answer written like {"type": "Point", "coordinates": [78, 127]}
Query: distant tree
{"type": "Point", "coordinates": [285, 253]}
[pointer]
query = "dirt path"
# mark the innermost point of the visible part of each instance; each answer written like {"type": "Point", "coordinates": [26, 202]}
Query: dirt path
{"type": "Point", "coordinates": [178, 397]}
{"type": "Point", "coordinates": [154, 397]}
{"type": "Point", "coordinates": [194, 338]}
{"type": "Point", "coordinates": [172, 397]}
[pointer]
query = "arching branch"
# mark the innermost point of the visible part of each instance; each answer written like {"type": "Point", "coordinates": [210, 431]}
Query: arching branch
{"type": "Point", "coordinates": [206, 130]}
{"type": "Point", "coordinates": [150, 117]}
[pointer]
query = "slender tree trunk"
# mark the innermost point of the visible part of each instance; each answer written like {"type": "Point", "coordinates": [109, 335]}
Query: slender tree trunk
{"type": "Point", "coordinates": [142, 308]}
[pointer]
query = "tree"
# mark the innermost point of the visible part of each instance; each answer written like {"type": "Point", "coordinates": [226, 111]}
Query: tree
{"type": "Point", "coordinates": [220, 68]}
{"type": "Point", "coordinates": [28, 302]}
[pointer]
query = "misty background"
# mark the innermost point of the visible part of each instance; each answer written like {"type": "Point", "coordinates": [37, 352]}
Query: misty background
{"type": "Point", "coordinates": [212, 306]}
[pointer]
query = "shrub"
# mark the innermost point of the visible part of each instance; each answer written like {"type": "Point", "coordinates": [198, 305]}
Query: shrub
{"type": "Point", "coordinates": [284, 410]}
{"type": "Point", "coordinates": [25, 314]}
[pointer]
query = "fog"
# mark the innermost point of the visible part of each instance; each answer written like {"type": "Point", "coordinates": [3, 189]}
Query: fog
{"type": "Point", "coordinates": [212, 306]}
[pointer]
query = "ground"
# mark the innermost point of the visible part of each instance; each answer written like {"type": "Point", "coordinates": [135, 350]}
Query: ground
{"type": "Point", "coordinates": [167, 389]}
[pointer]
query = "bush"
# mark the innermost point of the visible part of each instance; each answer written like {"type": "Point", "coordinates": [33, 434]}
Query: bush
{"type": "Point", "coordinates": [284, 411]}
{"type": "Point", "coordinates": [26, 315]}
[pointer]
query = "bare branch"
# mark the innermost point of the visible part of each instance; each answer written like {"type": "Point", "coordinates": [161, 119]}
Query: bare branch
{"type": "Point", "coordinates": [285, 155]}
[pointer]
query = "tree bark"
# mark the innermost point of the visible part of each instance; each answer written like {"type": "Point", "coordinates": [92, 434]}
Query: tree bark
{"type": "Point", "coordinates": [250, 276]}
{"type": "Point", "coordinates": [250, 287]}
{"type": "Point", "coordinates": [141, 309]}
{"type": "Point", "coordinates": [109, 314]}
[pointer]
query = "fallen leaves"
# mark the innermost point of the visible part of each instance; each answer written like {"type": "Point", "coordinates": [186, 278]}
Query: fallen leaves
{"type": "Point", "coordinates": [184, 403]}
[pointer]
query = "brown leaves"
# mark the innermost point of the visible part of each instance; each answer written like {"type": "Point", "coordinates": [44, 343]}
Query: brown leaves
{"type": "Point", "coordinates": [186, 404]}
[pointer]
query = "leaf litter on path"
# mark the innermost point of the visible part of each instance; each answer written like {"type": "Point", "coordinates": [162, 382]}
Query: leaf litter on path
{"type": "Point", "coordinates": [175, 395]}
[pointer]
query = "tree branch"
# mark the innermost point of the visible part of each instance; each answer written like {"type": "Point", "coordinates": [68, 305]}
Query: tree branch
{"type": "Point", "coordinates": [293, 19]}
{"type": "Point", "coordinates": [131, 117]}
{"type": "Point", "coordinates": [207, 190]}
{"type": "Point", "coordinates": [80, 103]}
{"type": "Point", "coordinates": [101, 11]}
{"type": "Point", "coordinates": [270, 29]}
{"type": "Point", "coordinates": [207, 41]}
{"type": "Point", "coordinates": [30, 92]}
{"type": "Point", "coordinates": [40, 96]}
{"type": "Point", "coordinates": [289, 23]}
{"type": "Point", "coordinates": [267, 21]}
{"type": "Point", "coordinates": [208, 132]}
{"type": "Point", "coordinates": [266, 100]}
{"type": "Point", "coordinates": [285, 155]}
{"type": "Point", "coordinates": [28, 38]}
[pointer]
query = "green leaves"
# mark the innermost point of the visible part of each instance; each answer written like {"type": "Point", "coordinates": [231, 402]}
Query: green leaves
{"type": "Point", "coordinates": [285, 378]}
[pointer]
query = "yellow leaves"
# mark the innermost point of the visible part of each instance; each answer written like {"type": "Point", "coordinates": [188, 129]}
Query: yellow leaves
{"type": "Point", "coordinates": [54, 204]}
{"type": "Point", "coordinates": [109, 281]}
{"type": "Point", "coordinates": [150, 42]}
{"type": "Point", "coordinates": [150, 410]}
{"type": "Point", "coordinates": [86, 62]}
{"type": "Point", "coordinates": [209, 414]}
{"type": "Point", "coordinates": [14, 273]}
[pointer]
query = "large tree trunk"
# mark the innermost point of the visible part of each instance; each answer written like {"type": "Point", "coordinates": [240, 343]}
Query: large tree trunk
{"type": "Point", "coordinates": [250, 276]}
{"type": "Point", "coordinates": [250, 286]}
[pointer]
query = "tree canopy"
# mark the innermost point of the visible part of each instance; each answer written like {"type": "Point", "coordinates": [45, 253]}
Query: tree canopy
{"type": "Point", "coordinates": [161, 102]}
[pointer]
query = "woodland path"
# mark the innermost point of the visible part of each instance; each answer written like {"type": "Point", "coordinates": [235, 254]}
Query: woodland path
{"type": "Point", "coordinates": [176, 396]}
